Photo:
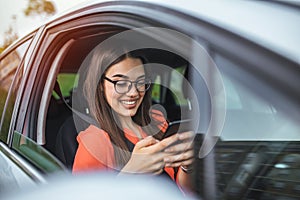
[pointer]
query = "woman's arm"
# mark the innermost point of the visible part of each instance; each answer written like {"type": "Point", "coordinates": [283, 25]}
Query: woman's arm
{"type": "Point", "coordinates": [95, 151]}
{"type": "Point", "coordinates": [85, 161]}
{"type": "Point", "coordinates": [181, 156]}
{"type": "Point", "coordinates": [184, 180]}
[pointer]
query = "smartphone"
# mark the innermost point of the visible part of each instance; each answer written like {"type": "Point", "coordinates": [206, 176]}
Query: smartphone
{"type": "Point", "coordinates": [178, 127]}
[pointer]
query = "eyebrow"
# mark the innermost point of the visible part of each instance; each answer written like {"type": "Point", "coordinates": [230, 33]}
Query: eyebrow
{"type": "Point", "coordinates": [126, 77]}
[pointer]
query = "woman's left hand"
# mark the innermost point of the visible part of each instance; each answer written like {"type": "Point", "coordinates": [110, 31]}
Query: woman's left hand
{"type": "Point", "coordinates": [181, 152]}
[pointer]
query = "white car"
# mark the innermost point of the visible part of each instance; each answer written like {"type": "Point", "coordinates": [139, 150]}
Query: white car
{"type": "Point", "coordinates": [231, 66]}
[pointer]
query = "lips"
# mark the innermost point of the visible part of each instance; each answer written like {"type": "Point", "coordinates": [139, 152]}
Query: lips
{"type": "Point", "coordinates": [129, 102]}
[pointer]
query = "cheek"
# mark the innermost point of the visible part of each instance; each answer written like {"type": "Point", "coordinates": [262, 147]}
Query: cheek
{"type": "Point", "coordinates": [109, 93]}
{"type": "Point", "coordinates": [142, 95]}
{"type": "Point", "coordinates": [112, 99]}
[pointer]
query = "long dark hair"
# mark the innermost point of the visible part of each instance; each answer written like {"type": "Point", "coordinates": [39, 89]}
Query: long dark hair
{"type": "Point", "coordinates": [101, 59]}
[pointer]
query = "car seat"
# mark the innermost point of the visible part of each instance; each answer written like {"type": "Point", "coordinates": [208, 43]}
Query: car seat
{"type": "Point", "coordinates": [66, 143]}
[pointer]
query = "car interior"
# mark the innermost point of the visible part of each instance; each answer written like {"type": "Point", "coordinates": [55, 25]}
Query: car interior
{"type": "Point", "coordinates": [241, 166]}
{"type": "Point", "coordinates": [67, 103]}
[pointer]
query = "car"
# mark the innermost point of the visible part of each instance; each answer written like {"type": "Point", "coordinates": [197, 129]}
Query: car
{"type": "Point", "coordinates": [232, 67]}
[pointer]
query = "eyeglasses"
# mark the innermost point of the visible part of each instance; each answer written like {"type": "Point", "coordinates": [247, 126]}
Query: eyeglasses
{"type": "Point", "coordinates": [124, 86]}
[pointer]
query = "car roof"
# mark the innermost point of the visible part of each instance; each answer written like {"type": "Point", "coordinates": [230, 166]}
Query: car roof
{"type": "Point", "coordinates": [273, 25]}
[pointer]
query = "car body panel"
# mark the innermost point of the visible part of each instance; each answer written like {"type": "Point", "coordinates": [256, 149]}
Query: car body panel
{"type": "Point", "coordinates": [256, 54]}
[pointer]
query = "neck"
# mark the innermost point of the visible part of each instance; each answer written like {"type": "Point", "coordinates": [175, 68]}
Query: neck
{"type": "Point", "coordinates": [128, 123]}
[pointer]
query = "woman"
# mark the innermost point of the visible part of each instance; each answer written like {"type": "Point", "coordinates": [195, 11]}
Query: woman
{"type": "Point", "coordinates": [117, 88]}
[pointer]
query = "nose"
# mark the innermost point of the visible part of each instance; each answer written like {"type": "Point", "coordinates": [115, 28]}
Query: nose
{"type": "Point", "coordinates": [132, 90]}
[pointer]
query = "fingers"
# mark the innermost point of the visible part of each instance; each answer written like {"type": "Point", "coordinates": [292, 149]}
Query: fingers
{"type": "Point", "coordinates": [151, 156]}
{"type": "Point", "coordinates": [184, 136]}
{"type": "Point", "coordinates": [157, 145]}
{"type": "Point", "coordinates": [184, 143]}
{"type": "Point", "coordinates": [189, 136]}
{"type": "Point", "coordinates": [179, 147]}
{"type": "Point", "coordinates": [181, 163]}
{"type": "Point", "coordinates": [146, 158]}
{"type": "Point", "coordinates": [160, 146]}
{"type": "Point", "coordinates": [150, 145]}
{"type": "Point", "coordinates": [148, 141]}
{"type": "Point", "coordinates": [176, 160]}
{"type": "Point", "coordinates": [180, 153]}
{"type": "Point", "coordinates": [158, 168]}
{"type": "Point", "coordinates": [168, 141]}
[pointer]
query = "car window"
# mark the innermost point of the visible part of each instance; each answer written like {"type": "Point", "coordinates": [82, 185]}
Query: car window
{"type": "Point", "coordinates": [170, 94]}
{"type": "Point", "coordinates": [12, 177]}
{"type": "Point", "coordinates": [257, 154]}
{"type": "Point", "coordinates": [8, 67]}
{"type": "Point", "coordinates": [58, 109]}
{"type": "Point", "coordinates": [67, 82]}
{"type": "Point", "coordinates": [36, 154]}
{"type": "Point", "coordinates": [177, 80]}
{"type": "Point", "coordinates": [176, 77]}
{"type": "Point", "coordinates": [246, 105]}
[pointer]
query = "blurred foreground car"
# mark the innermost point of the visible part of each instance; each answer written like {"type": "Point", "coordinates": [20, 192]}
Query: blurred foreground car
{"type": "Point", "coordinates": [241, 62]}
{"type": "Point", "coordinates": [112, 187]}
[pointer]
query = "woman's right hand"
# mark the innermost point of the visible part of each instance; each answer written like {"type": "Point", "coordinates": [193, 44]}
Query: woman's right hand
{"type": "Point", "coordinates": [147, 157]}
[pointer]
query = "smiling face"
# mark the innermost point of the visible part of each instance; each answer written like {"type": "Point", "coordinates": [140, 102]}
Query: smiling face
{"type": "Point", "coordinates": [127, 104]}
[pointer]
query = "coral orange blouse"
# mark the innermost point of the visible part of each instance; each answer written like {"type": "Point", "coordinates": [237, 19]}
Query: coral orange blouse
{"type": "Point", "coordinates": [95, 150]}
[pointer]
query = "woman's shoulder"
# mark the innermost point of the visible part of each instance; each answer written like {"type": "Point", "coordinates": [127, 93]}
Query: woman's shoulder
{"type": "Point", "coordinates": [93, 133]}
{"type": "Point", "coordinates": [95, 150]}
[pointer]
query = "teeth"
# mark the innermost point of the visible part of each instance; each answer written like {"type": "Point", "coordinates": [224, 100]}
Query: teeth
{"type": "Point", "coordinates": [128, 102]}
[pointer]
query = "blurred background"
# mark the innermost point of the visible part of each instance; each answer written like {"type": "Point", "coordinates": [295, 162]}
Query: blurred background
{"type": "Point", "coordinates": [19, 17]}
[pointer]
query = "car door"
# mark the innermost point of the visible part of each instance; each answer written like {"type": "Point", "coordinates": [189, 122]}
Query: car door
{"type": "Point", "coordinates": [201, 71]}
{"type": "Point", "coordinates": [23, 161]}
{"type": "Point", "coordinates": [13, 67]}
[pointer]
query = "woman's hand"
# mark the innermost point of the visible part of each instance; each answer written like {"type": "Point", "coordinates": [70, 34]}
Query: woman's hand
{"type": "Point", "coordinates": [151, 156]}
{"type": "Point", "coordinates": [180, 153]}
{"type": "Point", "coordinates": [147, 156]}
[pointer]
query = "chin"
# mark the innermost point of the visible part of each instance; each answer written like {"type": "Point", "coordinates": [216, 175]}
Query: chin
{"type": "Point", "coordinates": [128, 113]}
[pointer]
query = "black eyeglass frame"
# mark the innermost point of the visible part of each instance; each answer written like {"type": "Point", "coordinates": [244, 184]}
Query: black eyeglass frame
{"type": "Point", "coordinates": [147, 84]}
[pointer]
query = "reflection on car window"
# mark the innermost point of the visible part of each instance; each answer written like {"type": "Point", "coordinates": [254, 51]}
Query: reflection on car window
{"type": "Point", "coordinates": [176, 85]}
{"type": "Point", "coordinates": [12, 178]}
{"type": "Point", "coordinates": [8, 67]}
{"type": "Point", "coordinates": [156, 90]}
{"type": "Point", "coordinates": [66, 81]}
{"type": "Point", "coordinates": [170, 93]}
{"type": "Point", "coordinates": [257, 155]}
{"type": "Point", "coordinates": [36, 154]}
{"type": "Point", "coordinates": [249, 115]}
{"type": "Point", "coordinates": [233, 100]}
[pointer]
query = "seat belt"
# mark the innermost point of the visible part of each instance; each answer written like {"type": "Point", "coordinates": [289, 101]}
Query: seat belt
{"type": "Point", "coordinates": [84, 117]}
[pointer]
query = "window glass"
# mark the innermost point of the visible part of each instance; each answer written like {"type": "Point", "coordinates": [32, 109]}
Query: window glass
{"type": "Point", "coordinates": [156, 90]}
{"type": "Point", "coordinates": [176, 81]}
{"type": "Point", "coordinates": [36, 154]}
{"type": "Point", "coordinates": [8, 67]}
{"type": "Point", "coordinates": [12, 177]}
{"type": "Point", "coordinates": [66, 82]}
{"type": "Point", "coordinates": [254, 109]}
{"type": "Point", "coordinates": [177, 78]}
{"type": "Point", "coordinates": [58, 111]}
{"type": "Point", "coordinates": [233, 100]}
{"type": "Point", "coordinates": [257, 155]}
{"type": "Point", "coordinates": [170, 93]}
